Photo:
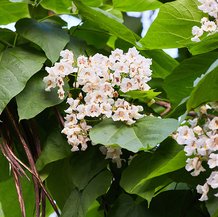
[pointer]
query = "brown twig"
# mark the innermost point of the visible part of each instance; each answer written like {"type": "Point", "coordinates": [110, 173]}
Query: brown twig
{"type": "Point", "coordinates": [164, 104]}
{"type": "Point", "coordinates": [43, 201]}
{"type": "Point", "coordinates": [19, 191]}
{"type": "Point", "coordinates": [8, 153]}
{"type": "Point", "coordinates": [59, 117]}
{"type": "Point", "coordinates": [31, 162]}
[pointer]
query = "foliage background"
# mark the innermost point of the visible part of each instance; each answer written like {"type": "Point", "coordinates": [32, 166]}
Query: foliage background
{"type": "Point", "coordinates": [84, 184]}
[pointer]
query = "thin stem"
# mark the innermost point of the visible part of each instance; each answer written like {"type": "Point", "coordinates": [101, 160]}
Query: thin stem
{"type": "Point", "coordinates": [31, 161]}
{"type": "Point", "coordinates": [164, 104]}
{"type": "Point", "coordinates": [15, 39]}
{"type": "Point", "coordinates": [59, 117]}
{"type": "Point", "coordinates": [19, 191]}
{"type": "Point", "coordinates": [43, 200]}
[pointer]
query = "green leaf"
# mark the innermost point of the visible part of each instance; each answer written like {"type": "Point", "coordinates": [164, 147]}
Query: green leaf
{"type": "Point", "coordinates": [7, 37]}
{"type": "Point", "coordinates": [168, 157]}
{"type": "Point", "coordinates": [143, 135]}
{"type": "Point", "coordinates": [34, 99]}
{"type": "Point", "coordinates": [106, 21]}
{"type": "Point", "coordinates": [211, 205]}
{"type": "Point", "coordinates": [173, 25]}
{"type": "Point", "coordinates": [205, 91]}
{"type": "Point", "coordinates": [59, 181]}
{"type": "Point", "coordinates": [55, 148]}
{"type": "Point", "coordinates": [139, 5]}
{"type": "Point", "coordinates": [77, 171]}
{"type": "Point", "coordinates": [58, 6]}
{"type": "Point", "coordinates": [78, 202]}
{"type": "Point", "coordinates": [207, 44]}
{"type": "Point", "coordinates": [51, 38]}
{"type": "Point", "coordinates": [170, 203]}
{"type": "Point", "coordinates": [8, 196]}
{"type": "Point", "coordinates": [126, 206]}
{"type": "Point", "coordinates": [93, 3]}
{"type": "Point", "coordinates": [90, 34]}
{"type": "Point", "coordinates": [167, 204]}
{"type": "Point", "coordinates": [93, 210]}
{"type": "Point", "coordinates": [11, 12]}
{"type": "Point", "coordinates": [162, 63]}
{"type": "Point", "coordinates": [142, 96]}
{"type": "Point", "coordinates": [15, 70]}
{"type": "Point", "coordinates": [86, 165]}
{"type": "Point", "coordinates": [4, 168]}
{"type": "Point", "coordinates": [179, 84]}
{"type": "Point", "coordinates": [152, 187]}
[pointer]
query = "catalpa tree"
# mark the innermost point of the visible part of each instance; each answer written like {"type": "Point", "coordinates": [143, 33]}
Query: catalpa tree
{"type": "Point", "coordinates": [98, 121]}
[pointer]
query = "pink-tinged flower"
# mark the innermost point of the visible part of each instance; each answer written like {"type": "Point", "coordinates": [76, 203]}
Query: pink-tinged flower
{"type": "Point", "coordinates": [213, 125]}
{"type": "Point", "coordinates": [194, 164]}
{"type": "Point", "coordinates": [185, 135]}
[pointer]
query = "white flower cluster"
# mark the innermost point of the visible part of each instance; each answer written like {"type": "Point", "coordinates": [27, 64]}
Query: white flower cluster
{"type": "Point", "coordinates": [201, 144]}
{"type": "Point", "coordinates": [58, 72]}
{"type": "Point", "coordinates": [100, 79]}
{"type": "Point", "coordinates": [211, 8]}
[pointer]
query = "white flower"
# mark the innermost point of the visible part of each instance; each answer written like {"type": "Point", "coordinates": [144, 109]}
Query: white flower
{"type": "Point", "coordinates": [213, 125]}
{"type": "Point", "coordinates": [132, 54]}
{"type": "Point", "coordinates": [82, 62]}
{"type": "Point", "coordinates": [190, 149]}
{"type": "Point", "coordinates": [210, 7]}
{"type": "Point", "coordinates": [106, 109]}
{"type": "Point", "coordinates": [50, 82]}
{"type": "Point", "coordinates": [112, 153]}
{"type": "Point", "coordinates": [209, 26]}
{"type": "Point", "coordinates": [198, 130]}
{"type": "Point", "coordinates": [90, 87]}
{"type": "Point", "coordinates": [196, 32]}
{"type": "Point", "coordinates": [213, 179]}
{"type": "Point", "coordinates": [128, 84]}
{"type": "Point", "coordinates": [71, 118]}
{"type": "Point", "coordinates": [116, 56]}
{"type": "Point", "coordinates": [121, 103]}
{"type": "Point", "coordinates": [61, 93]}
{"type": "Point", "coordinates": [93, 110]}
{"type": "Point", "coordinates": [120, 114]}
{"type": "Point", "coordinates": [213, 160]}
{"type": "Point", "coordinates": [62, 69]}
{"type": "Point", "coordinates": [212, 142]}
{"type": "Point", "coordinates": [185, 135]}
{"type": "Point", "coordinates": [203, 189]}
{"type": "Point", "coordinates": [96, 97]}
{"type": "Point", "coordinates": [202, 147]}
{"type": "Point", "coordinates": [86, 75]}
{"type": "Point", "coordinates": [116, 78]}
{"type": "Point", "coordinates": [194, 164]}
{"type": "Point", "coordinates": [121, 67]}
{"type": "Point", "coordinates": [107, 88]}
{"type": "Point", "coordinates": [81, 109]}
{"type": "Point", "coordinates": [134, 112]}
{"type": "Point", "coordinates": [67, 56]}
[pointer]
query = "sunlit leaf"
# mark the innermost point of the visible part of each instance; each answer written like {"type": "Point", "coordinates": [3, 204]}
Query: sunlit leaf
{"type": "Point", "coordinates": [144, 134]}
{"type": "Point", "coordinates": [173, 25]}
{"type": "Point", "coordinates": [12, 11]}
{"type": "Point", "coordinates": [140, 5]}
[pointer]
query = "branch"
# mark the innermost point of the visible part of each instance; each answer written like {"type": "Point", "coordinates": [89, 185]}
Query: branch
{"type": "Point", "coordinates": [31, 162]}
{"type": "Point", "coordinates": [164, 104]}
